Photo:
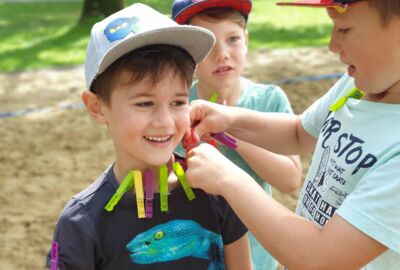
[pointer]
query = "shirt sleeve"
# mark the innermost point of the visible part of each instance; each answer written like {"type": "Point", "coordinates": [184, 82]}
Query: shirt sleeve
{"type": "Point", "coordinates": [232, 228]}
{"type": "Point", "coordinates": [313, 118]}
{"type": "Point", "coordinates": [374, 205]}
{"type": "Point", "coordinates": [74, 235]}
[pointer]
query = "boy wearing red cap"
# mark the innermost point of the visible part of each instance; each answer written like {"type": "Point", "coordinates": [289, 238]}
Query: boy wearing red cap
{"type": "Point", "coordinates": [348, 214]}
{"type": "Point", "coordinates": [220, 73]}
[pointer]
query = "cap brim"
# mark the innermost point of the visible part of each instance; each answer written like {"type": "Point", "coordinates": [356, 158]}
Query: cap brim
{"type": "Point", "coordinates": [197, 41]}
{"type": "Point", "coordinates": [308, 3]}
{"type": "Point", "coordinates": [244, 6]}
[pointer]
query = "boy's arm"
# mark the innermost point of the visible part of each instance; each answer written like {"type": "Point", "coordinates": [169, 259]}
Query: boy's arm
{"type": "Point", "coordinates": [291, 239]}
{"type": "Point", "coordinates": [282, 172]}
{"type": "Point", "coordinates": [278, 132]}
{"type": "Point", "coordinates": [237, 255]}
{"type": "Point", "coordinates": [74, 235]}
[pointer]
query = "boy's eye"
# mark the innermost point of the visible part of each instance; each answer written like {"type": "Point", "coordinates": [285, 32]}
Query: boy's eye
{"type": "Point", "coordinates": [179, 103]}
{"type": "Point", "coordinates": [144, 104]}
{"type": "Point", "coordinates": [233, 39]}
{"type": "Point", "coordinates": [343, 30]}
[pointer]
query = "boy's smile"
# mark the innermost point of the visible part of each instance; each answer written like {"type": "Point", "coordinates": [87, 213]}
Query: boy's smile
{"type": "Point", "coordinates": [146, 121]}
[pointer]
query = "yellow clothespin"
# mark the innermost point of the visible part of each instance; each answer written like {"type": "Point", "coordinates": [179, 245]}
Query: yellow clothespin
{"type": "Point", "coordinates": [137, 176]}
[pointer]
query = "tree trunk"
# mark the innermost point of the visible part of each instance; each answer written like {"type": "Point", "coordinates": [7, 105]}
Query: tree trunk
{"type": "Point", "coordinates": [94, 8]}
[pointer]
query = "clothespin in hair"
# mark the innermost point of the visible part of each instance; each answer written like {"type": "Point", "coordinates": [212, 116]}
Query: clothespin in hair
{"type": "Point", "coordinates": [341, 8]}
{"type": "Point", "coordinates": [163, 188]}
{"type": "Point", "coordinates": [125, 186]}
{"type": "Point", "coordinates": [137, 176]}
{"type": "Point", "coordinates": [54, 256]}
{"type": "Point", "coordinates": [180, 173]}
{"type": "Point", "coordinates": [148, 175]}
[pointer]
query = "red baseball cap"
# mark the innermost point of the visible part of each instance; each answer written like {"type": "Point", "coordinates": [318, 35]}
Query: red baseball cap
{"type": "Point", "coordinates": [183, 10]}
{"type": "Point", "coordinates": [318, 3]}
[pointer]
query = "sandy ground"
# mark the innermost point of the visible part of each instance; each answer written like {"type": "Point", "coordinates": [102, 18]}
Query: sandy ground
{"type": "Point", "coordinates": [51, 154]}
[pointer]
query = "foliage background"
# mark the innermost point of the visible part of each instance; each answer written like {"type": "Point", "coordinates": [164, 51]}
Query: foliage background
{"type": "Point", "coordinates": [36, 34]}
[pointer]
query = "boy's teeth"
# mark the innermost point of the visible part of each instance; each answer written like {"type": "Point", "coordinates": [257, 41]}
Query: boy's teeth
{"type": "Point", "coordinates": [158, 139]}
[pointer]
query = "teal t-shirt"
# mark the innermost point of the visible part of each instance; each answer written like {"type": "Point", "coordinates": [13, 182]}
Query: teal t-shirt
{"type": "Point", "coordinates": [263, 98]}
{"type": "Point", "coordinates": [355, 169]}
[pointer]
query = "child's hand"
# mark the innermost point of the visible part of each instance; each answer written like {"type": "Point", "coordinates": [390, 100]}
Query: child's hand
{"type": "Point", "coordinates": [208, 117]}
{"type": "Point", "coordinates": [209, 170]}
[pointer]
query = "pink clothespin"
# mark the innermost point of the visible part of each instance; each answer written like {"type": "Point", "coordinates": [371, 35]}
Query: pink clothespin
{"type": "Point", "coordinates": [225, 139]}
{"type": "Point", "coordinates": [54, 256]}
{"type": "Point", "coordinates": [149, 193]}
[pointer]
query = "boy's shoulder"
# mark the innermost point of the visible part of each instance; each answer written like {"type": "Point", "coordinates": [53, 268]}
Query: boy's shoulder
{"type": "Point", "coordinates": [91, 198]}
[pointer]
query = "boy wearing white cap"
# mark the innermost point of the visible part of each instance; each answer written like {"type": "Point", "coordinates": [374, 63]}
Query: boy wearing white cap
{"type": "Point", "coordinates": [139, 66]}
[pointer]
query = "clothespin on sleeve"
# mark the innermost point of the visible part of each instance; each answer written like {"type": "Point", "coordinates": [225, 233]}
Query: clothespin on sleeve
{"type": "Point", "coordinates": [149, 193]}
{"type": "Point", "coordinates": [125, 186]}
{"type": "Point", "coordinates": [137, 176]}
{"type": "Point", "coordinates": [54, 256]}
{"type": "Point", "coordinates": [163, 188]}
{"type": "Point", "coordinates": [180, 173]}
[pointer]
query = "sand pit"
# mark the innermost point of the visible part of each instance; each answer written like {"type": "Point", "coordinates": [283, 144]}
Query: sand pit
{"type": "Point", "coordinates": [48, 155]}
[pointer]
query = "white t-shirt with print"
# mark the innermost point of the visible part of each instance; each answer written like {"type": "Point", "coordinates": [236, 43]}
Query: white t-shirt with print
{"type": "Point", "coordinates": [355, 171]}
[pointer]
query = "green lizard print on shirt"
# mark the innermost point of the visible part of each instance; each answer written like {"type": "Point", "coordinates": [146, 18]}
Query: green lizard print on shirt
{"type": "Point", "coordinates": [175, 240]}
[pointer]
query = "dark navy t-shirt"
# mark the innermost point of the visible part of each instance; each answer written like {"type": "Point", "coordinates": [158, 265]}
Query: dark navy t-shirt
{"type": "Point", "coordinates": [191, 235]}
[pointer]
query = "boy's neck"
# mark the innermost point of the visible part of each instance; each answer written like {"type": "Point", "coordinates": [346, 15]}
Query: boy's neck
{"type": "Point", "coordinates": [120, 172]}
{"type": "Point", "coordinates": [230, 94]}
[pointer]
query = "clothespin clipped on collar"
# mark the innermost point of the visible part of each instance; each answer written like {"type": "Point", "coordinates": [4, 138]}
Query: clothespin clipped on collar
{"type": "Point", "coordinates": [148, 176]}
{"type": "Point", "coordinates": [125, 186]}
{"type": "Point", "coordinates": [180, 173]}
{"type": "Point", "coordinates": [163, 188]}
{"type": "Point", "coordinates": [54, 256]}
{"type": "Point", "coordinates": [137, 176]}
{"type": "Point", "coordinates": [353, 93]}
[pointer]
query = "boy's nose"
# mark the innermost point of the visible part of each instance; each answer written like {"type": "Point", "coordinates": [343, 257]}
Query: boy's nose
{"type": "Point", "coordinates": [220, 52]}
{"type": "Point", "coordinates": [334, 44]}
{"type": "Point", "coordinates": [163, 117]}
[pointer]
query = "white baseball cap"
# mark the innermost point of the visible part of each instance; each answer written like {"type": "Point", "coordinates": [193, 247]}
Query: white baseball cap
{"type": "Point", "coordinates": [137, 26]}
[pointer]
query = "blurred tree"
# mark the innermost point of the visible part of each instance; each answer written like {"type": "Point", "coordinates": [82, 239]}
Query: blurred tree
{"type": "Point", "coordinates": [94, 8]}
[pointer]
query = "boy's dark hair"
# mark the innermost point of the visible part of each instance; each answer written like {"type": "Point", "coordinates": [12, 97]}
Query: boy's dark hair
{"type": "Point", "coordinates": [152, 61]}
{"type": "Point", "coordinates": [218, 14]}
{"type": "Point", "coordinates": [387, 9]}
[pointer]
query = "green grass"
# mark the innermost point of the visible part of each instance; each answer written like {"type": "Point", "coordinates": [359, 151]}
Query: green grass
{"type": "Point", "coordinates": [38, 34]}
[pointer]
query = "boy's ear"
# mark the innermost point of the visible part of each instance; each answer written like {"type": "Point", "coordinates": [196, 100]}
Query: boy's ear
{"type": "Point", "coordinates": [94, 106]}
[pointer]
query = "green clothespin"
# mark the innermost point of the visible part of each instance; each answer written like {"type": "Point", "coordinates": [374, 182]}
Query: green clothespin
{"type": "Point", "coordinates": [182, 178]}
{"type": "Point", "coordinates": [125, 186]}
{"type": "Point", "coordinates": [353, 93]}
{"type": "Point", "coordinates": [163, 188]}
{"type": "Point", "coordinates": [213, 98]}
